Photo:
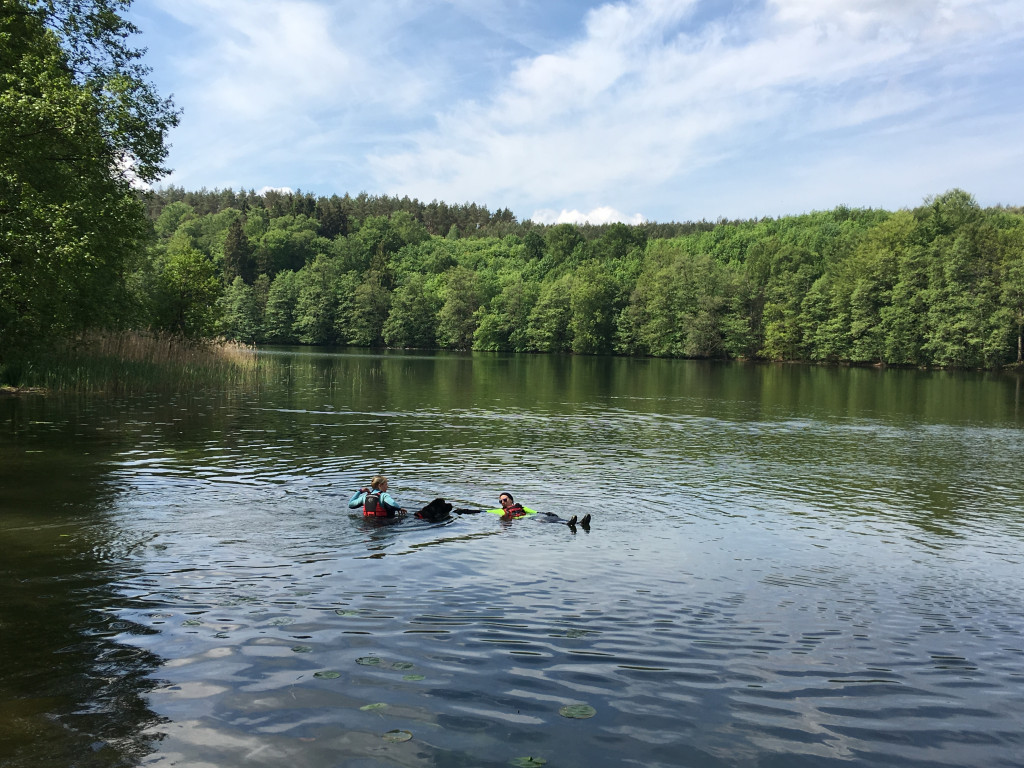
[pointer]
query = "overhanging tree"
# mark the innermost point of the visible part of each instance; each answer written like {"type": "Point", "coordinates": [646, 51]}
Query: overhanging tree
{"type": "Point", "coordinates": [79, 124]}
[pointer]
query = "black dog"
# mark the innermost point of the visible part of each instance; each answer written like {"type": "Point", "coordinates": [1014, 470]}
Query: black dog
{"type": "Point", "coordinates": [435, 511]}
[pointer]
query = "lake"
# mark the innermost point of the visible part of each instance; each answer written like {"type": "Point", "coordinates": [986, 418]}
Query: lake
{"type": "Point", "coordinates": [787, 566]}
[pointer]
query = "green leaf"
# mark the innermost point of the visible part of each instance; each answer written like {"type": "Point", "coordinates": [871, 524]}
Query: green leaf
{"type": "Point", "coordinates": [373, 707]}
{"type": "Point", "coordinates": [577, 711]}
{"type": "Point", "coordinates": [396, 736]}
{"type": "Point", "coordinates": [327, 674]}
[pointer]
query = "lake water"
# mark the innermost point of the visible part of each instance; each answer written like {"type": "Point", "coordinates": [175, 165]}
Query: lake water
{"type": "Point", "coordinates": [788, 566]}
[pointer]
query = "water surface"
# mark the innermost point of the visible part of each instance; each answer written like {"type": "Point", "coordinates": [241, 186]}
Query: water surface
{"type": "Point", "coordinates": [787, 566]}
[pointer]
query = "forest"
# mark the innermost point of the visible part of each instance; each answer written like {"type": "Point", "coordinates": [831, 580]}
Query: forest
{"type": "Point", "coordinates": [83, 249]}
{"type": "Point", "coordinates": [938, 285]}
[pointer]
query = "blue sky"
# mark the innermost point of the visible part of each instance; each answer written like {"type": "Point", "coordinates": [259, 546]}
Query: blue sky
{"type": "Point", "coordinates": [570, 111]}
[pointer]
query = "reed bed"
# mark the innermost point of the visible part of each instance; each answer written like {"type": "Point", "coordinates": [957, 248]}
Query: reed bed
{"type": "Point", "coordinates": [133, 362]}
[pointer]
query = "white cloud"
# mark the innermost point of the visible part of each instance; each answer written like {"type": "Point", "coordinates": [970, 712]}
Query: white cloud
{"type": "Point", "coordinates": [264, 79]}
{"type": "Point", "coordinates": [259, 56]}
{"type": "Point", "coordinates": [643, 100]}
{"type": "Point", "coordinates": [680, 108]}
{"type": "Point", "coordinates": [602, 215]}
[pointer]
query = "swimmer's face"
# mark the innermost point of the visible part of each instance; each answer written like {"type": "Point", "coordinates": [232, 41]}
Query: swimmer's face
{"type": "Point", "coordinates": [505, 500]}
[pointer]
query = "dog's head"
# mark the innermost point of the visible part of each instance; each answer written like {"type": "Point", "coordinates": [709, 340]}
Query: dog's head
{"type": "Point", "coordinates": [438, 509]}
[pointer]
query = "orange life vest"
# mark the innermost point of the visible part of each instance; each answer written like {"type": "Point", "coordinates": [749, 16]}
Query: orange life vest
{"type": "Point", "coordinates": [373, 506]}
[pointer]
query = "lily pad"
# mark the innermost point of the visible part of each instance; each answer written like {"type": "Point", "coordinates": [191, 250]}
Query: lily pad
{"type": "Point", "coordinates": [402, 665]}
{"type": "Point", "coordinates": [577, 711]}
{"type": "Point", "coordinates": [281, 621]}
{"type": "Point", "coordinates": [191, 623]}
{"type": "Point", "coordinates": [327, 674]}
{"type": "Point", "coordinates": [302, 649]}
{"type": "Point", "coordinates": [343, 612]}
{"type": "Point", "coordinates": [372, 707]}
{"type": "Point", "coordinates": [368, 661]}
{"type": "Point", "coordinates": [413, 677]}
{"type": "Point", "coordinates": [396, 736]}
{"type": "Point", "coordinates": [528, 762]}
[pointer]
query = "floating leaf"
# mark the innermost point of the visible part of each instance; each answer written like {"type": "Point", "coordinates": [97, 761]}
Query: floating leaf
{"type": "Point", "coordinates": [343, 612]}
{"type": "Point", "coordinates": [302, 649]}
{"type": "Point", "coordinates": [191, 623]}
{"type": "Point", "coordinates": [327, 674]}
{"type": "Point", "coordinates": [413, 677]}
{"type": "Point", "coordinates": [528, 762]}
{"type": "Point", "coordinates": [280, 621]}
{"type": "Point", "coordinates": [402, 665]}
{"type": "Point", "coordinates": [396, 736]}
{"type": "Point", "coordinates": [372, 707]}
{"type": "Point", "coordinates": [368, 661]}
{"type": "Point", "coordinates": [577, 711]}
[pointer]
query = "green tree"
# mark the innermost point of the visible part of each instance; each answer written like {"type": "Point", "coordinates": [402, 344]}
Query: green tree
{"type": "Point", "coordinates": [504, 324]}
{"type": "Point", "coordinates": [188, 294]}
{"type": "Point", "coordinates": [1012, 291]}
{"type": "Point", "coordinates": [456, 320]}
{"type": "Point", "coordinates": [533, 246]}
{"type": "Point", "coordinates": [289, 243]}
{"type": "Point", "coordinates": [791, 271]}
{"type": "Point", "coordinates": [330, 214]}
{"type": "Point", "coordinates": [171, 217]}
{"type": "Point", "coordinates": [592, 309]}
{"type": "Point", "coordinates": [408, 229]}
{"type": "Point", "coordinates": [962, 298]}
{"type": "Point", "coordinates": [366, 305]}
{"type": "Point", "coordinates": [825, 321]}
{"type": "Point", "coordinates": [279, 315]}
{"type": "Point", "coordinates": [548, 323]}
{"type": "Point", "coordinates": [78, 123]}
{"type": "Point", "coordinates": [412, 320]}
{"type": "Point", "coordinates": [238, 255]}
{"type": "Point", "coordinates": [561, 241]}
{"type": "Point", "coordinates": [681, 307]}
{"type": "Point", "coordinates": [373, 247]}
{"type": "Point", "coordinates": [317, 303]}
{"type": "Point", "coordinates": [239, 313]}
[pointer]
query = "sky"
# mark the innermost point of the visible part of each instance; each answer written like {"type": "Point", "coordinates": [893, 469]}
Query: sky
{"type": "Point", "coordinates": [565, 110]}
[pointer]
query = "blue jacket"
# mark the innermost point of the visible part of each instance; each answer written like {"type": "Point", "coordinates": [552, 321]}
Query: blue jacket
{"type": "Point", "coordinates": [359, 497]}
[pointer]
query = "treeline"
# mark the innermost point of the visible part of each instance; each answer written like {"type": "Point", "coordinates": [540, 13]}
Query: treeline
{"type": "Point", "coordinates": [942, 284]}
{"type": "Point", "coordinates": [340, 215]}
{"type": "Point", "coordinates": [81, 249]}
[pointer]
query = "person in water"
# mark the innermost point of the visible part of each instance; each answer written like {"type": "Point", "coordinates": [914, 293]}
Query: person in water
{"type": "Point", "coordinates": [514, 510]}
{"type": "Point", "coordinates": [511, 508]}
{"type": "Point", "coordinates": [375, 500]}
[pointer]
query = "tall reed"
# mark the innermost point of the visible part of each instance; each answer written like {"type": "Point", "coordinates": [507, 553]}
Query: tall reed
{"type": "Point", "coordinates": [134, 362]}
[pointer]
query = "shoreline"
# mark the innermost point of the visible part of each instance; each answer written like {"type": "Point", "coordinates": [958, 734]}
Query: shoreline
{"type": "Point", "coordinates": [9, 391]}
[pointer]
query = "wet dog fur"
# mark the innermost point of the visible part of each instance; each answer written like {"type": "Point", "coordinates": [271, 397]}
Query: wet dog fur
{"type": "Point", "coordinates": [435, 511]}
